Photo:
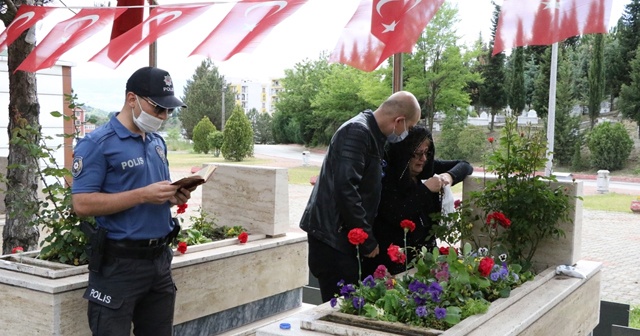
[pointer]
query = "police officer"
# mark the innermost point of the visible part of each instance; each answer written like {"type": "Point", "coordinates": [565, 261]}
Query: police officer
{"type": "Point", "coordinates": [121, 176]}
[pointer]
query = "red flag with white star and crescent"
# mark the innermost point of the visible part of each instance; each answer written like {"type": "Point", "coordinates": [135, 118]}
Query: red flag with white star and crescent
{"type": "Point", "coordinates": [67, 34]}
{"type": "Point", "coordinates": [381, 28]}
{"type": "Point", "coordinates": [544, 22]}
{"type": "Point", "coordinates": [163, 19]}
{"type": "Point", "coordinates": [25, 18]}
{"type": "Point", "coordinates": [244, 27]}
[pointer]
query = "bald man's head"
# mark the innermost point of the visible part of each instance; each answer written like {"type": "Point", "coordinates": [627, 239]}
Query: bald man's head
{"type": "Point", "coordinates": [398, 113]}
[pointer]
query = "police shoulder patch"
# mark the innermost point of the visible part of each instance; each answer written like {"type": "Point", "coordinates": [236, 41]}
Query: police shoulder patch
{"type": "Point", "coordinates": [76, 167]}
{"type": "Point", "coordinates": [160, 151]}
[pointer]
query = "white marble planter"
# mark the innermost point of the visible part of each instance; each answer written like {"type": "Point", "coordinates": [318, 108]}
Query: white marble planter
{"type": "Point", "coordinates": [547, 305]}
{"type": "Point", "coordinates": [211, 284]}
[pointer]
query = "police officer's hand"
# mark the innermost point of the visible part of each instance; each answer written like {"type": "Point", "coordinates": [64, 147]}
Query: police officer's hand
{"type": "Point", "coordinates": [181, 196]}
{"type": "Point", "coordinates": [374, 252]}
{"type": "Point", "coordinates": [160, 192]}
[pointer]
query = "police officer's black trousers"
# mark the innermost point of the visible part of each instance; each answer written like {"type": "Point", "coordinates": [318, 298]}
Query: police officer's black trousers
{"type": "Point", "coordinates": [128, 290]}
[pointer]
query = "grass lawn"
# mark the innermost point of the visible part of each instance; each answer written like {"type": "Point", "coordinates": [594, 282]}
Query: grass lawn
{"type": "Point", "coordinates": [609, 202]}
{"type": "Point", "coordinates": [301, 175]}
{"type": "Point", "coordinates": [634, 317]}
{"type": "Point", "coordinates": [187, 160]}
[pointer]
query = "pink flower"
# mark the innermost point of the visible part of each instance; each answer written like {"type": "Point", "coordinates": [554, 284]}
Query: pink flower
{"type": "Point", "coordinates": [243, 237]}
{"type": "Point", "coordinates": [456, 203]}
{"type": "Point", "coordinates": [380, 273]}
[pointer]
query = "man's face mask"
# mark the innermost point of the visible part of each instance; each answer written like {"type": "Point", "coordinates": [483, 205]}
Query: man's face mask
{"type": "Point", "coordinates": [145, 121]}
{"type": "Point", "coordinates": [393, 137]}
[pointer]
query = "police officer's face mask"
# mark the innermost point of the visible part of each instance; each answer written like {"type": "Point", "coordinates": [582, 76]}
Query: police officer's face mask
{"type": "Point", "coordinates": [145, 121]}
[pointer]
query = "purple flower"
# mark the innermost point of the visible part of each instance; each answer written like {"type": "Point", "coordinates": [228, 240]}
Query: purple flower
{"type": "Point", "coordinates": [358, 302]}
{"type": "Point", "coordinates": [504, 272]}
{"type": "Point", "coordinates": [435, 290]}
{"type": "Point", "coordinates": [421, 311]}
{"type": "Point", "coordinates": [495, 276]}
{"type": "Point", "coordinates": [346, 290]}
{"type": "Point", "coordinates": [340, 283]}
{"type": "Point", "coordinates": [440, 313]}
{"type": "Point", "coordinates": [419, 300]}
{"type": "Point", "coordinates": [334, 302]}
{"type": "Point", "coordinates": [417, 287]}
{"type": "Point", "coordinates": [515, 276]}
{"type": "Point", "coordinates": [369, 282]}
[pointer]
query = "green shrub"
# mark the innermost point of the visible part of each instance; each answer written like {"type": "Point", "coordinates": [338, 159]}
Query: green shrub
{"type": "Point", "coordinates": [238, 136]}
{"type": "Point", "coordinates": [201, 133]}
{"type": "Point", "coordinates": [471, 142]}
{"type": "Point", "coordinates": [610, 146]}
{"type": "Point", "coordinates": [447, 145]}
{"type": "Point", "coordinates": [216, 140]}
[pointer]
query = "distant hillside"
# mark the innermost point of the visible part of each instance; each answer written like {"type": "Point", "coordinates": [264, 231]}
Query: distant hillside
{"type": "Point", "coordinates": [96, 115]}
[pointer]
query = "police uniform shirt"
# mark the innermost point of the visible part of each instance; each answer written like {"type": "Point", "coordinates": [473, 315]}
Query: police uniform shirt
{"type": "Point", "coordinates": [112, 159]}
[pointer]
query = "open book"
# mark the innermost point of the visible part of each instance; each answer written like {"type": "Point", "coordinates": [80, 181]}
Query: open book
{"type": "Point", "coordinates": [196, 179]}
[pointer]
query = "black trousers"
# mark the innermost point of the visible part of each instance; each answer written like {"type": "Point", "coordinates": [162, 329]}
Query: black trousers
{"type": "Point", "coordinates": [331, 266]}
{"type": "Point", "coordinates": [138, 291]}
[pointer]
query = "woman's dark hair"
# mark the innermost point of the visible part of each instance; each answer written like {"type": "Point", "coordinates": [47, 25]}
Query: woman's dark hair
{"type": "Point", "coordinates": [398, 154]}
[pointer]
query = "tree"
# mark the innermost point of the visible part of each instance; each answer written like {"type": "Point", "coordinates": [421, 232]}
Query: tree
{"type": "Point", "coordinates": [493, 93]}
{"type": "Point", "coordinates": [566, 126]}
{"type": "Point", "coordinates": [337, 101]}
{"type": "Point", "coordinates": [22, 177]}
{"type": "Point", "coordinates": [238, 136]}
{"type": "Point", "coordinates": [517, 94]}
{"type": "Point", "coordinates": [201, 133]}
{"type": "Point", "coordinates": [436, 72]}
{"type": "Point", "coordinates": [301, 85]}
{"type": "Point", "coordinates": [596, 78]}
{"type": "Point", "coordinates": [203, 96]}
{"type": "Point", "coordinates": [540, 99]}
{"type": "Point", "coordinates": [629, 103]}
{"type": "Point", "coordinates": [216, 140]}
{"type": "Point", "coordinates": [628, 39]}
{"type": "Point", "coordinates": [263, 128]}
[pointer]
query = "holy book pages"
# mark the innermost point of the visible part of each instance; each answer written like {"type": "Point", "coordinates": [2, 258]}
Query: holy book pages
{"type": "Point", "coordinates": [196, 179]}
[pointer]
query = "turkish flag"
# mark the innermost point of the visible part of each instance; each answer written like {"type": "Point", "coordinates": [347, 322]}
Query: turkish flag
{"type": "Point", "coordinates": [381, 28]}
{"type": "Point", "coordinates": [131, 18]}
{"type": "Point", "coordinates": [244, 27]}
{"type": "Point", "coordinates": [544, 22]}
{"type": "Point", "coordinates": [164, 20]}
{"type": "Point", "coordinates": [66, 35]}
{"type": "Point", "coordinates": [26, 16]}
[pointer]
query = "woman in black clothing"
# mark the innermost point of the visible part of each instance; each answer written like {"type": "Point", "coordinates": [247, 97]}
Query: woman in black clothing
{"type": "Point", "coordinates": [411, 189]}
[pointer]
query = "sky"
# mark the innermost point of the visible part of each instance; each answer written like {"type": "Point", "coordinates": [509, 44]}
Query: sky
{"type": "Point", "coordinates": [314, 28]}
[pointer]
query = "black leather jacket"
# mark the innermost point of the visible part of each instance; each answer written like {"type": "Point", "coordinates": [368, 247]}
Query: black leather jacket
{"type": "Point", "coordinates": [347, 191]}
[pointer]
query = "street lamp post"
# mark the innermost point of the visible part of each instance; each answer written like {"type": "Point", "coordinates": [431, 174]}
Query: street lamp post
{"type": "Point", "coordinates": [224, 90]}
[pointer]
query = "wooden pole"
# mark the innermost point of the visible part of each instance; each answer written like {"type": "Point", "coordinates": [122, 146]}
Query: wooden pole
{"type": "Point", "coordinates": [397, 72]}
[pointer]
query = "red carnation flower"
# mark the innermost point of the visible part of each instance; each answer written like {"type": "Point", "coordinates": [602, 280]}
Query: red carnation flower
{"type": "Point", "coordinates": [396, 254]}
{"type": "Point", "coordinates": [485, 267]}
{"type": "Point", "coordinates": [491, 139]}
{"type": "Point", "coordinates": [182, 208]}
{"type": "Point", "coordinates": [495, 218]}
{"type": "Point", "coordinates": [17, 249]}
{"type": "Point", "coordinates": [357, 236]}
{"type": "Point", "coordinates": [243, 237]}
{"type": "Point", "coordinates": [182, 247]}
{"type": "Point", "coordinates": [408, 225]}
{"type": "Point", "coordinates": [445, 250]}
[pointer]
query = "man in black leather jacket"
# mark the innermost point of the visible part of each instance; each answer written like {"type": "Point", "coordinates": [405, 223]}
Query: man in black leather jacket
{"type": "Point", "coordinates": [347, 191]}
